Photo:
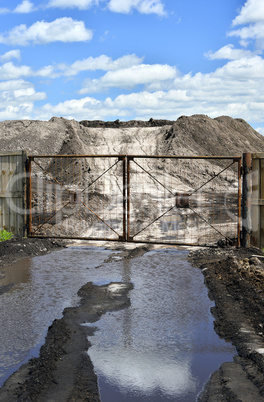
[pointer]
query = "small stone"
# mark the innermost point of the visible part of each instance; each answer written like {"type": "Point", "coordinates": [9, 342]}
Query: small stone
{"type": "Point", "coordinates": [254, 261]}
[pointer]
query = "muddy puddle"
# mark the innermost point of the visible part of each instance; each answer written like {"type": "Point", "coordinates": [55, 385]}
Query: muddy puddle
{"type": "Point", "coordinates": [162, 347]}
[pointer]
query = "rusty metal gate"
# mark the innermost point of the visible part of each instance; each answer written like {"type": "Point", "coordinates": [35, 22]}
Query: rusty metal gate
{"type": "Point", "coordinates": [76, 196]}
{"type": "Point", "coordinates": [184, 200]}
{"type": "Point", "coordinates": [156, 199]}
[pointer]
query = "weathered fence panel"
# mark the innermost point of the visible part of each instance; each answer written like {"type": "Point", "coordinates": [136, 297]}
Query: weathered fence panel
{"type": "Point", "coordinates": [12, 191]}
{"type": "Point", "coordinates": [257, 200]}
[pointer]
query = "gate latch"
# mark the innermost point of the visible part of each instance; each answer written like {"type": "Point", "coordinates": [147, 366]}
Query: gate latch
{"type": "Point", "coordinates": [182, 200]}
{"type": "Point", "coordinates": [75, 196]}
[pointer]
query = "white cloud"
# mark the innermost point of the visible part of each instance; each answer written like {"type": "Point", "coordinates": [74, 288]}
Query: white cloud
{"type": "Point", "coordinates": [159, 91]}
{"type": "Point", "coordinates": [14, 85]}
{"type": "Point", "coordinates": [244, 69]}
{"type": "Point", "coordinates": [102, 62]}
{"type": "Point", "coordinates": [252, 16]}
{"type": "Point", "coordinates": [47, 72]}
{"type": "Point", "coordinates": [72, 107]}
{"type": "Point", "coordinates": [25, 7]}
{"type": "Point", "coordinates": [21, 111]}
{"type": "Point", "coordinates": [234, 89]}
{"type": "Point", "coordinates": [142, 6]}
{"type": "Point", "coordinates": [26, 94]}
{"type": "Point", "coordinates": [81, 4]}
{"type": "Point", "coordinates": [105, 63]}
{"type": "Point", "coordinates": [143, 74]}
{"type": "Point", "coordinates": [255, 31]}
{"type": "Point", "coordinates": [116, 6]}
{"type": "Point", "coordinates": [229, 52]}
{"type": "Point", "coordinates": [41, 32]}
{"type": "Point", "coordinates": [9, 71]}
{"type": "Point", "coordinates": [251, 12]}
{"type": "Point", "coordinates": [12, 54]}
{"type": "Point", "coordinates": [17, 98]}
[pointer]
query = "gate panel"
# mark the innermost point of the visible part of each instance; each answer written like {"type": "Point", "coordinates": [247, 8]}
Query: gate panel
{"type": "Point", "coordinates": [77, 196]}
{"type": "Point", "coordinates": [184, 200]}
{"type": "Point", "coordinates": [162, 199]}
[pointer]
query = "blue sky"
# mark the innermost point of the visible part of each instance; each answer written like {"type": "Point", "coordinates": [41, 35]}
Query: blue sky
{"type": "Point", "coordinates": [132, 59]}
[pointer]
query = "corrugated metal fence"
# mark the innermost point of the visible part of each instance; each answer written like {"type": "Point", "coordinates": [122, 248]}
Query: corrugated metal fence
{"type": "Point", "coordinates": [257, 200]}
{"type": "Point", "coordinates": [12, 191]}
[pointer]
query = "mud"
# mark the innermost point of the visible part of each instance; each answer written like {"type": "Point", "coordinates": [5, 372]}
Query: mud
{"type": "Point", "coordinates": [234, 278]}
{"type": "Point", "coordinates": [63, 371]}
{"type": "Point", "coordinates": [17, 249]}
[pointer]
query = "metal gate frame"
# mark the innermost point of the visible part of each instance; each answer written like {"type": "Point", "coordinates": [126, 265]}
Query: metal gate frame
{"type": "Point", "coordinates": [126, 172]}
{"type": "Point", "coordinates": [31, 159]}
{"type": "Point", "coordinates": [233, 159]}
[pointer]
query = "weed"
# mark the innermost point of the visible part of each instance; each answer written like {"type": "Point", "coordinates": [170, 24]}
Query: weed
{"type": "Point", "coordinates": [4, 235]}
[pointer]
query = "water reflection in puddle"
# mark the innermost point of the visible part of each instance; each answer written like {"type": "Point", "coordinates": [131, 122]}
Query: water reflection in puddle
{"type": "Point", "coordinates": [42, 288]}
{"type": "Point", "coordinates": [162, 347]}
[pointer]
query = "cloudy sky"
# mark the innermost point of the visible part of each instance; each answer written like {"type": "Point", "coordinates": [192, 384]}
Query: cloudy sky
{"type": "Point", "coordinates": [132, 59]}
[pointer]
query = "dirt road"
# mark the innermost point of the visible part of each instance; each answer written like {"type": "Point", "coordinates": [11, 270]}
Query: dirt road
{"type": "Point", "coordinates": [63, 371]}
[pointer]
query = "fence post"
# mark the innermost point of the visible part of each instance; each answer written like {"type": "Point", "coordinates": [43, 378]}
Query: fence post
{"type": "Point", "coordinates": [246, 200]}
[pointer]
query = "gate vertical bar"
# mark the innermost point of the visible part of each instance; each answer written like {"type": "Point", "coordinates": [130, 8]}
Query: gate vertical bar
{"type": "Point", "coordinates": [29, 196]}
{"type": "Point", "coordinates": [24, 185]}
{"type": "Point", "coordinates": [128, 198]}
{"type": "Point", "coordinates": [246, 200]}
{"type": "Point", "coordinates": [124, 200]}
{"type": "Point", "coordinates": [239, 202]}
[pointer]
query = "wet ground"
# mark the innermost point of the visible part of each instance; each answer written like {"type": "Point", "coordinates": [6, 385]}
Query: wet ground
{"type": "Point", "coordinates": [129, 318]}
{"type": "Point", "coordinates": [161, 347]}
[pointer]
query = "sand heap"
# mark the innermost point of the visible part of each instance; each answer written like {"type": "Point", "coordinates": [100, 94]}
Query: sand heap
{"type": "Point", "coordinates": [194, 135]}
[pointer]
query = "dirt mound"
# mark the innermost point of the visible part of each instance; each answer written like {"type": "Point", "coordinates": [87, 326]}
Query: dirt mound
{"type": "Point", "coordinates": [201, 135]}
{"type": "Point", "coordinates": [194, 135]}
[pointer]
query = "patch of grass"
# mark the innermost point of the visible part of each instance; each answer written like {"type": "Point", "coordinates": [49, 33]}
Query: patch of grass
{"type": "Point", "coordinates": [4, 235]}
